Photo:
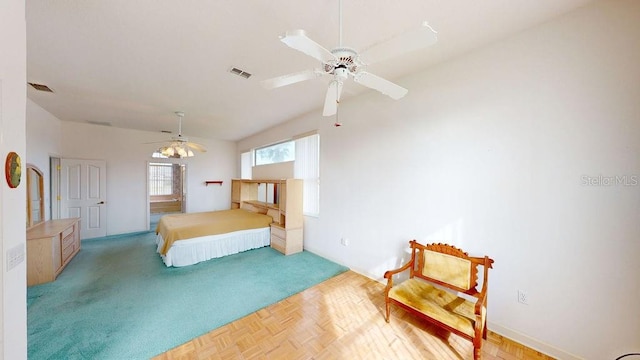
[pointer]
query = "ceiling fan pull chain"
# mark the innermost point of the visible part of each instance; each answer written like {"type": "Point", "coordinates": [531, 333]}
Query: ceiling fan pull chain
{"type": "Point", "coordinates": [337, 123]}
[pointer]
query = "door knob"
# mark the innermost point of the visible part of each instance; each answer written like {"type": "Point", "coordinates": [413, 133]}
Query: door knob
{"type": "Point", "coordinates": [100, 203]}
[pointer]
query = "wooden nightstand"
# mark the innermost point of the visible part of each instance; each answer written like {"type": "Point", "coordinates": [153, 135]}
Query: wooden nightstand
{"type": "Point", "coordinates": [287, 241]}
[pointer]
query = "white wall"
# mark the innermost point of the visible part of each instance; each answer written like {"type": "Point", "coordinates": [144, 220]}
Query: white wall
{"type": "Point", "coordinates": [43, 141]}
{"type": "Point", "coordinates": [127, 156]}
{"type": "Point", "coordinates": [491, 152]}
{"type": "Point", "coordinates": [13, 70]}
{"type": "Point", "coordinates": [283, 170]}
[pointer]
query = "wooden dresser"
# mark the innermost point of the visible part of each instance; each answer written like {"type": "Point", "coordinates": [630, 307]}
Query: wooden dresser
{"type": "Point", "coordinates": [50, 247]}
{"type": "Point", "coordinates": [286, 210]}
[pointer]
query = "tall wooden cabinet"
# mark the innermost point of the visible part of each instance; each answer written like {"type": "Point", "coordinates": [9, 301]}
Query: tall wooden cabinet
{"type": "Point", "coordinates": [50, 247]}
{"type": "Point", "coordinates": [286, 209]}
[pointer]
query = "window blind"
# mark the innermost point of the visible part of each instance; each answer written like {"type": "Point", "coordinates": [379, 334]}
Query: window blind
{"type": "Point", "coordinates": [245, 165]}
{"type": "Point", "coordinates": [307, 167]}
{"type": "Point", "coordinates": [160, 179]}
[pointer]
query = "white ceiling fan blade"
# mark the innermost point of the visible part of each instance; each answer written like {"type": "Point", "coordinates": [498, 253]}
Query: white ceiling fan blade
{"type": "Point", "coordinates": [411, 40]}
{"type": "Point", "coordinates": [298, 39]}
{"type": "Point", "coordinates": [155, 142]}
{"type": "Point", "coordinates": [377, 83]}
{"type": "Point", "coordinates": [196, 146]}
{"type": "Point", "coordinates": [332, 98]}
{"type": "Point", "coordinates": [290, 79]}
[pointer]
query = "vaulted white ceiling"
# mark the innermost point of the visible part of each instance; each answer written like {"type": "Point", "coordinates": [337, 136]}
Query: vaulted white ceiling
{"type": "Point", "coordinates": [132, 64]}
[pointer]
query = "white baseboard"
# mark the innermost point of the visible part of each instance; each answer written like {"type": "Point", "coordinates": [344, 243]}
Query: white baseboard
{"type": "Point", "coordinates": [531, 342]}
{"type": "Point", "coordinates": [330, 258]}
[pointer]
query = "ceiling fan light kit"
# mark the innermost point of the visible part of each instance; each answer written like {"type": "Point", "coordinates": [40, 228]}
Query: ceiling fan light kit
{"type": "Point", "coordinates": [342, 62]}
{"type": "Point", "coordinates": [176, 151]}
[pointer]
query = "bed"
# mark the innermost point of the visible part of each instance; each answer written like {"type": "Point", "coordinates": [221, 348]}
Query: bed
{"type": "Point", "coordinates": [187, 239]}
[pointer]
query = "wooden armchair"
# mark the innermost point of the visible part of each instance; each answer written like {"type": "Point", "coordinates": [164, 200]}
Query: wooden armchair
{"type": "Point", "coordinates": [454, 272]}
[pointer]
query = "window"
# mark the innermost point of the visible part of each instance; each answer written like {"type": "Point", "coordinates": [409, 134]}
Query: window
{"type": "Point", "coordinates": [276, 153]}
{"type": "Point", "coordinates": [305, 152]}
{"type": "Point", "coordinates": [160, 179]}
{"type": "Point", "coordinates": [307, 167]}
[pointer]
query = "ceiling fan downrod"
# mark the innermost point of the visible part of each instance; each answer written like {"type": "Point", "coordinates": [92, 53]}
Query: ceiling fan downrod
{"type": "Point", "coordinates": [340, 23]}
{"type": "Point", "coordinates": [180, 116]}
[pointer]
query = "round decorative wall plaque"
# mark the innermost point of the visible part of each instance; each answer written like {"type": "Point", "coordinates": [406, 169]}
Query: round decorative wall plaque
{"type": "Point", "coordinates": [13, 169]}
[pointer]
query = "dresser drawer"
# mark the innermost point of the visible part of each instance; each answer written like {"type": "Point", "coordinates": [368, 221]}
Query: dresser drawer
{"type": "Point", "coordinates": [67, 240]}
{"type": "Point", "coordinates": [68, 244]}
{"type": "Point", "coordinates": [278, 244]}
{"type": "Point", "coordinates": [68, 231]}
{"type": "Point", "coordinates": [67, 251]}
{"type": "Point", "coordinates": [278, 231]}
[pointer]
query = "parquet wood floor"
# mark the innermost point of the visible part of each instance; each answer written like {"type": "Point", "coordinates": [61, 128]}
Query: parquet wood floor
{"type": "Point", "coordinates": [341, 318]}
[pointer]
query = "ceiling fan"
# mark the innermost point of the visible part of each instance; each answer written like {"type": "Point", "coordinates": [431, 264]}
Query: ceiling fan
{"type": "Point", "coordinates": [179, 146]}
{"type": "Point", "coordinates": [342, 62]}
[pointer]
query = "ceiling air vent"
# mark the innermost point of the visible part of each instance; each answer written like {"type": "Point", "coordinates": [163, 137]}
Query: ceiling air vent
{"type": "Point", "coordinates": [240, 73]}
{"type": "Point", "coordinates": [101, 123]}
{"type": "Point", "coordinates": [41, 87]}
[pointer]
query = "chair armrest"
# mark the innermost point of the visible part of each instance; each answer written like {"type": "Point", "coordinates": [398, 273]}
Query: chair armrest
{"type": "Point", "coordinates": [482, 297]}
{"type": "Point", "coordinates": [404, 267]}
{"type": "Point", "coordinates": [389, 274]}
{"type": "Point", "coordinates": [482, 301]}
{"type": "Point", "coordinates": [480, 323]}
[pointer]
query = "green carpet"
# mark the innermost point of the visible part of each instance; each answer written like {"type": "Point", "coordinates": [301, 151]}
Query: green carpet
{"type": "Point", "coordinates": [117, 300]}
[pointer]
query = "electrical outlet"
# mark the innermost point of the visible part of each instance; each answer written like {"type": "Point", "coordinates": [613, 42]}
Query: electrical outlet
{"type": "Point", "coordinates": [15, 256]}
{"type": "Point", "coordinates": [523, 298]}
{"type": "Point", "coordinates": [344, 242]}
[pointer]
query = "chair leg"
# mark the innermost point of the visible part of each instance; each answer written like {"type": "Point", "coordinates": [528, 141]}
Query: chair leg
{"type": "Point", "coordinates": [388, 305]}
{"type": "Point", "coordinates": [477, 353]}
{"type": "Point", "coordinates": [477, 346]}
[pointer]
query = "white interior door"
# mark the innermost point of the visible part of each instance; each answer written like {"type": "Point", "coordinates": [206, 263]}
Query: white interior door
{"type": "Point", "coordinates": [83, 193]}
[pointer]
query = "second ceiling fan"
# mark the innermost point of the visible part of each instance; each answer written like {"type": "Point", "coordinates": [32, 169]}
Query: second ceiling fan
{"type": "Point", "coordinates": [178, 146]}
{"type": "Point", "coordinates": [343, 62]}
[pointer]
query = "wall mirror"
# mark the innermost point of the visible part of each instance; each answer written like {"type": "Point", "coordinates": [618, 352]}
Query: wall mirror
{"type": "Point", "coordinates": [35, 196]}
